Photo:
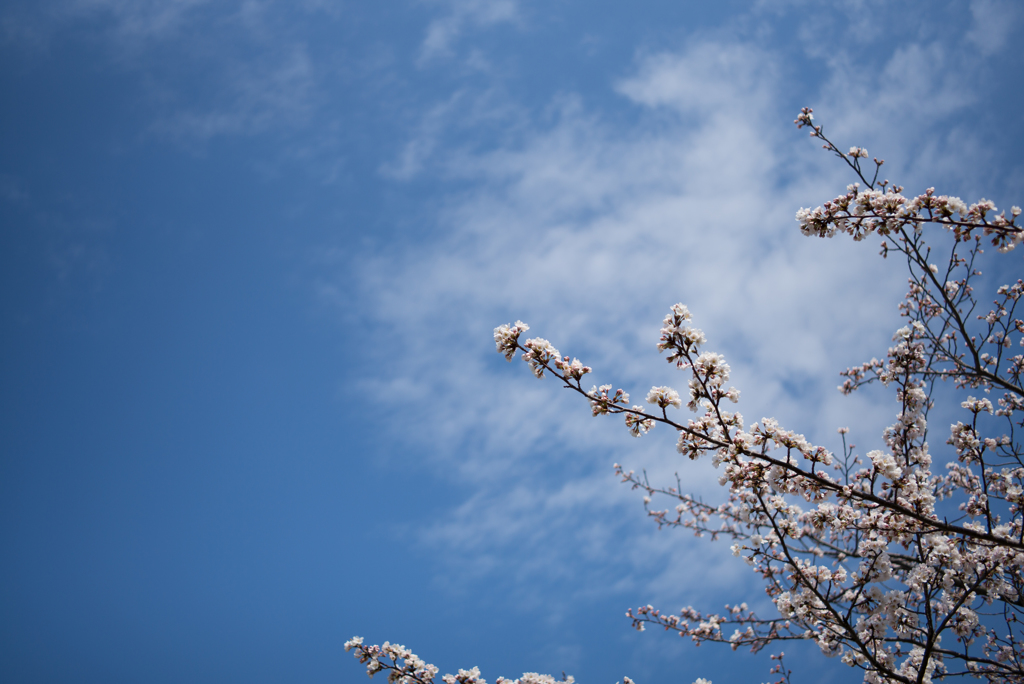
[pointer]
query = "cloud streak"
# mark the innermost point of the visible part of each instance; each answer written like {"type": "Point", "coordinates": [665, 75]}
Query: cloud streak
{"type": "Point", "coordinates": [138, 21]}
{"type": "Point", "coordinates": [256, 97]}
{"type": "Point", "coordinates": [460, 15]}
{"type": "Point", "coordinates": [590, 234]}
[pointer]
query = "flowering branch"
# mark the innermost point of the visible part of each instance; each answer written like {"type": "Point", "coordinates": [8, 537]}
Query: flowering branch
{"type": "Point", "coordinates": [386, 657]}
{"type": "Point", "coordinates": [876, 558]}
{"type": "Point", "coordinates": [900, 573]}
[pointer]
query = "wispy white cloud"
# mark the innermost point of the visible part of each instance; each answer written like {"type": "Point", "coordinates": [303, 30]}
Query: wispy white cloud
{"type": "Point", "coordinates": [139, 20]}
{"type": "Point", "coordinates": [420, 146]}
{"type": "Point", "coordinates": [464, 110]}
{"type": "Point", "coordinates": [994, 22]}
{"type": "Point", "coordinates": [273, 92]}
{"type": "Point", "coordinates": [204, 69]}
{"type": "Point", "coordinates": [589, 232]}
{"type": "Point", "coordinates": [460, 15]}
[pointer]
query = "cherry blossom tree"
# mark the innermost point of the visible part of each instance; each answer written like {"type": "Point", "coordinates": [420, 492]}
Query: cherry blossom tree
{"type": "Point", "coordinates": [907, 562]}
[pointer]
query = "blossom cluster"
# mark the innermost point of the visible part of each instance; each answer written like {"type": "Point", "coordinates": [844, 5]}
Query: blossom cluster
{"type": "Point", "coordinates": [412, 669]}
{"type": "Point", "coordinates": [881, 208]}
{"type": "Point", "coordinates": [861, 212]}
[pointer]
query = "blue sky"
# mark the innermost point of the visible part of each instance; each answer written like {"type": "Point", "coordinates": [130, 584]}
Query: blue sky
{"type": "Point", "coordinates": [252, 255]}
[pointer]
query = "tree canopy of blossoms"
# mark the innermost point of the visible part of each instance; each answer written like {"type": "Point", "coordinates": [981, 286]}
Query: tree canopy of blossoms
{"type": "Point", "coordinates": [905, 568]}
